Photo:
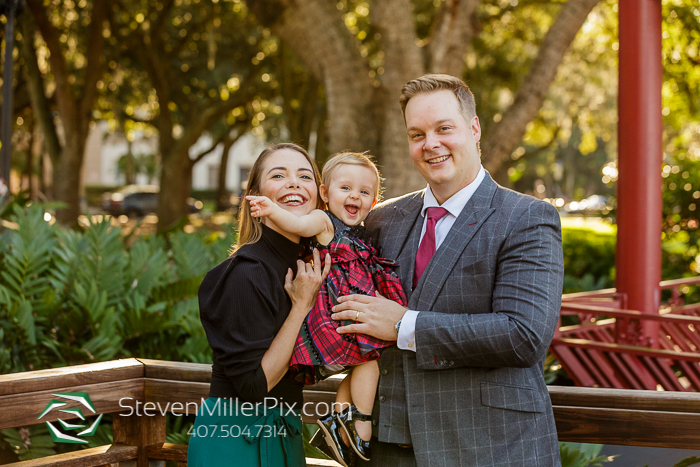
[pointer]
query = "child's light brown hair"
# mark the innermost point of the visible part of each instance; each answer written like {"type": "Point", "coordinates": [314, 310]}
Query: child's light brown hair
{"type": "Point", "coordinates": [351, 158]}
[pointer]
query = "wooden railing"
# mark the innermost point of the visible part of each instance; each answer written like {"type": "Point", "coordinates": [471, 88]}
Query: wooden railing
{"type": "Point", "coordinates": [589, 415]}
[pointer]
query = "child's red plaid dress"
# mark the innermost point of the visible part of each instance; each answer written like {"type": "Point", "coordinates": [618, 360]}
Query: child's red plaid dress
{"type": "Point", "coordinates": [355, 269]}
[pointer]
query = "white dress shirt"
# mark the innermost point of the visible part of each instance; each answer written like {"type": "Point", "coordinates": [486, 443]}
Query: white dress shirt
{"type": "Point", "coordinates": [406, 339]}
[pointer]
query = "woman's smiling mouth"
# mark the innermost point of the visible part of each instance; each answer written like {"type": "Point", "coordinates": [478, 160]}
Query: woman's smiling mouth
{"type": "Point", "coordinates": [292, 199]}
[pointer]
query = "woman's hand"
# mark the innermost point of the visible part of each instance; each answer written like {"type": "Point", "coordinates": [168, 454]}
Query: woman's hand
{"type": "Point", "coordinates": [303, 290]}
{"type": "Point", "coordinates": [260, 206]}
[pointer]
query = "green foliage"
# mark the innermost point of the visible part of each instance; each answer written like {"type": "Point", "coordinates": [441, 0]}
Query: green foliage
{"type": "Point", "coordinates": [70, 297]}
{"type": "Point", "coordinates": [554, 373]}
{"type": "Point", "coordinates": [178, 427]}
{"type": "Point", "coordinates": [582, 455]}
{"type": "Point", "coordinates": [589, 255]}
{"type": "Point", "coordinates": [589, 259]}
{"type": "Point", "coordinates": [308, 432]}
{"type": "Point", "coordinates": [681, 177]}
{"type": "Point", "coordinates": [29, 443]}
{"type": "Point", "coordinates": [688, 461]}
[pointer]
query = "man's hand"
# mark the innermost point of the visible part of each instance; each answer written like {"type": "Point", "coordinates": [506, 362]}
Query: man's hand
{"type": "Point", "coordinates": [373, 316]}
{"type": "Point", "coordinates": [260, 206]}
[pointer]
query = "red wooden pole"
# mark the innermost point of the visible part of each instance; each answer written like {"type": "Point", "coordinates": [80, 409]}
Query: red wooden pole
{"type": "Point", "coordinates": [639, 196]}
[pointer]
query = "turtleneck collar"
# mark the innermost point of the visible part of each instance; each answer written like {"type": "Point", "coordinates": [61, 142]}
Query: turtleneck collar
{"type": "Point", "coordinates": [287, 250]}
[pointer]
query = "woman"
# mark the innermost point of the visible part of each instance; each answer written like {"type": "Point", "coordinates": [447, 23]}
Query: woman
{"type": "Point", "coordinates": [252, 311]}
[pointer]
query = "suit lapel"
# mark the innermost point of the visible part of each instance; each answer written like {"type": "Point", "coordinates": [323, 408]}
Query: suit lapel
{"type": "Point", "coordinates": [399, 231]}
{"type": "Point", "coordinates": [470, 220]}
{"type": "Point", "coordinates": [401, 241]}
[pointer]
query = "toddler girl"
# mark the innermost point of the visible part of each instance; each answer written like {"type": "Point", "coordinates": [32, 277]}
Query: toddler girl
{"type": "Point", "coordinates": [351, 185]}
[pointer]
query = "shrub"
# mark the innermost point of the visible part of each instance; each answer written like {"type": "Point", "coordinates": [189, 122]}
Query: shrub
{"type": "Point", "coordinates": [69, 297]}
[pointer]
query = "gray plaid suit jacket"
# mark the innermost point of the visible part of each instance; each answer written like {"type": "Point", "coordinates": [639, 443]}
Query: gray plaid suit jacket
{"type": "Point", "coordinates": [474, 393]}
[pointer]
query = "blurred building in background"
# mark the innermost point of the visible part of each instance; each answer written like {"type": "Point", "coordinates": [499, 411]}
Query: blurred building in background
{"type": "Point", "coordinates": [104, 164]}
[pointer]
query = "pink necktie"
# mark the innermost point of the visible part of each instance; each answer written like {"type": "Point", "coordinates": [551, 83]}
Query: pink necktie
{"type": "Point", "coordinates": [426, 250]}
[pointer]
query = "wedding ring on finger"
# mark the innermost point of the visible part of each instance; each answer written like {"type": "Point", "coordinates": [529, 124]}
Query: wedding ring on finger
{"type": "Point", "coordinates": [357, 316]}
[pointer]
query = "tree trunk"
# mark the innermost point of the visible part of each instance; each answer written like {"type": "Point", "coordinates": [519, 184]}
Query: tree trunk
{"type": "Point", "coordinates": [317, 34]}
{"type": "Point", "coordinates": [300, 97]}
{"type": "Point", "coordinates": [37, 96]}
{"type": "Point", "coordinates": [175, 170]}
{"type": "Point", "coordinates": [67, 178]}
{"type": "Point", "coordinates": [222, 194]}
{"type": "Point", "coordinates": [175, 188]}
{"type": "Point", "coordinates": [452, 33]}
{"type": "Point", "coordinates": [402, 62]}
{"type": "Point", "coordinates": [75, 112]}
{"type": "Point", "coordinates": [31, 185]}
{"type": "Point", "coordinates": [321, 151]}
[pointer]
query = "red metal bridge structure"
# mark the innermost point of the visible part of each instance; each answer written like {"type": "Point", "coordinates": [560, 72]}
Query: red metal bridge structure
{"type": "Point", "coordinates": [611, 346]}
{"type": "Point", "coordinates": [627, 337]}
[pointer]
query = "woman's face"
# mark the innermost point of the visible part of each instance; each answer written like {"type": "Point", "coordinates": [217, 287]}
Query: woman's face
{"type": "Point", "coordinates": [287, 178]}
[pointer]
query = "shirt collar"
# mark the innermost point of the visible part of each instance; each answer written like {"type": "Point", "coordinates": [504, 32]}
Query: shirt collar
{"type": "Point", "coordinates": [455, 203]}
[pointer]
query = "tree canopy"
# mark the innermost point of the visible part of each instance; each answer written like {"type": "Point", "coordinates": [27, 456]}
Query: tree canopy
{"type": "Point", "coordinates": [544, 75]}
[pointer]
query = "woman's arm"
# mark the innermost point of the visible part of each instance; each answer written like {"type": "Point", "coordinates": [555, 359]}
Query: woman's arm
{"type": "Point", "coordinates": [308, 225]}
{"type": "Point", "coordinates": [303, 291]}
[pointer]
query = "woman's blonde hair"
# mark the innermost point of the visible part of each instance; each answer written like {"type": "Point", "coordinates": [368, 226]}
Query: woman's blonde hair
{"type": "Point", "coordinates": [351, 158]}
{"type": "Point", "coordinates": [250, 230]}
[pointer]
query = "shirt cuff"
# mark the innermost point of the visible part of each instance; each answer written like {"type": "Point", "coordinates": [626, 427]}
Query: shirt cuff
{"type": "Point", "coordinates": [406, 339]}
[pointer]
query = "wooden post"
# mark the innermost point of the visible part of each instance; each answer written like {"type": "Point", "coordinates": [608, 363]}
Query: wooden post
{"type": "Point", "coordinates": [141, 431]}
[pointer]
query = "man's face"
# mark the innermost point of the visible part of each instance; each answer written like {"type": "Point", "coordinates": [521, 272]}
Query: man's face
{"type": "Point", "coordinates": [443, 145]}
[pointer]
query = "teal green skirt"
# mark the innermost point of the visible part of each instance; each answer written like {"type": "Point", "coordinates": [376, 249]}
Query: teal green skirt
{"type": "Point", "coordinates": [231, 433]}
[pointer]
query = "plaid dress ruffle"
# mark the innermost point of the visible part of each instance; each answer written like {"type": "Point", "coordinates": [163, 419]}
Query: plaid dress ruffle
{"type": "Point", "coordinates": [356, 269]}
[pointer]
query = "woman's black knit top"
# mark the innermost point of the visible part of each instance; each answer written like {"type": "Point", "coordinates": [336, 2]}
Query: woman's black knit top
{"type": "Point", "coordinates": [242, 305]}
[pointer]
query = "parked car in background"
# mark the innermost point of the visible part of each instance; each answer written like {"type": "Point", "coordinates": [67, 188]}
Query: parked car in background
{"type": "Point", "coordinates": [138, 200]}
{"type": "Point", "coordinates": [593, 205]}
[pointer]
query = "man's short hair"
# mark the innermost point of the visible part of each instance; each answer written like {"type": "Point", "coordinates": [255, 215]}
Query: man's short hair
{"type": "Point", "coordinates": [436, 82]}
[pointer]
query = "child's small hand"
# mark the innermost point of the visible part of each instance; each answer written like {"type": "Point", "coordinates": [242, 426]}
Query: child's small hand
{"type": "Point", "coordinates": [260, 206]}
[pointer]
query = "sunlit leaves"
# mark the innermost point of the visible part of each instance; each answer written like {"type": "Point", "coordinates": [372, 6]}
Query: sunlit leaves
{"type": "Point", "coordinates": [681, 44]}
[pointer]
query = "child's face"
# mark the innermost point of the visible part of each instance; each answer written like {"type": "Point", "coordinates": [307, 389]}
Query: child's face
{"type": "Point", "coordinates": [350, 193]}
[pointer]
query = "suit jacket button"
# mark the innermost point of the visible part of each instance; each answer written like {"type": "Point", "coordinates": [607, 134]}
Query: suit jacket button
{"type": "Point", "coordinates": [382, 398]}
{"type": "Point", "coordinates": [452, 363]}
{"type": "Point", "coordinates": [384, 371]}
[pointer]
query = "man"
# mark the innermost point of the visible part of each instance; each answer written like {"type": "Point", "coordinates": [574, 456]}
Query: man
{"type": "Point", "coordinates": [482, 267]}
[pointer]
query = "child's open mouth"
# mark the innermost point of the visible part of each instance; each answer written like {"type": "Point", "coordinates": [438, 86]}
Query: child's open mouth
{"type": "Point", "coordinates": [352, 210]}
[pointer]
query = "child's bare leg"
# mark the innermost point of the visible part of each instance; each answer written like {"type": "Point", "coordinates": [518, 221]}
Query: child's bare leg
{"type": "Point", "coordinates": [343, 400]}
{"type": "Point", "coordinates": [363, 388]}
{"type": "Point", "coordinates": [342, 397]}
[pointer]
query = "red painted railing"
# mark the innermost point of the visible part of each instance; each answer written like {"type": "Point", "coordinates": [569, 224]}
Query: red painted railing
{"type": "Point", "coordinates": [605, 347]}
